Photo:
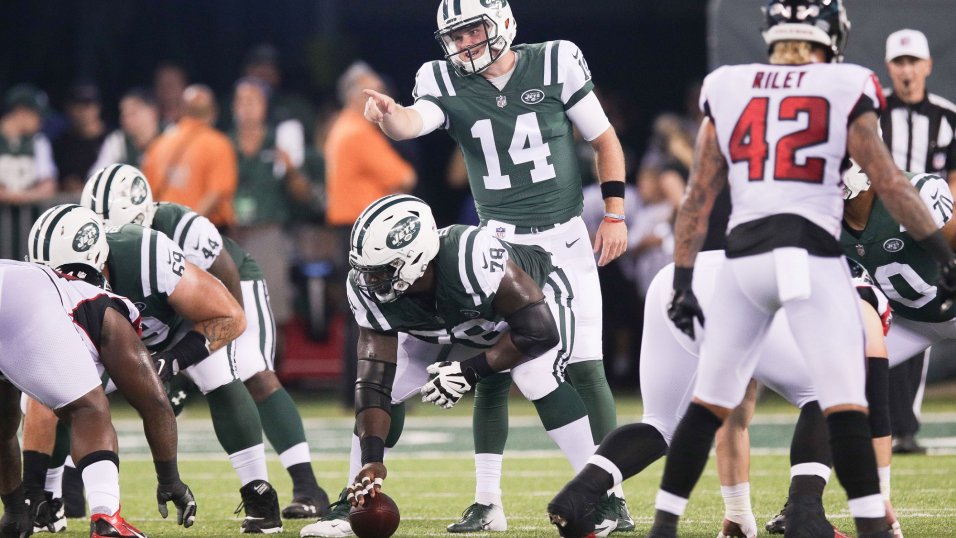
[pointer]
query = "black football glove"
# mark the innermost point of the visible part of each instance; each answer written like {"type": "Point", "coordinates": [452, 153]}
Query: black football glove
{"type": "Point", "coordinates": [165, 365]}
{"type": "Point", "coordinates": [947, 283]}
{"type": "Point", "coordinates": [21, 510]}
{"type": "Point", "coordinates": [182, 498]}
{"type": "Point", "coordinates": [683, 309]}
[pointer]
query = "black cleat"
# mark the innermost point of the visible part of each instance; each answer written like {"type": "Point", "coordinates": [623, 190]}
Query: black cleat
{"type": "Point", "coordinates": [573, 513]}
{"type": "Point", "coordinates": [805, 518]}
{"type": "Point", "coordinates": [906, 444]}
{"type": "Point", "coordinates": [307, 507]}
{"type": "Point", "coordinates": [262, 508]}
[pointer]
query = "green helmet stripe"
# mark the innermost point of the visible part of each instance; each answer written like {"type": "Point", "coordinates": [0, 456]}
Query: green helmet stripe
{"type": "Point", "coordinates": [456, 10]}
{"type": "Point", "coordinates": [48, 236]}
{"type": "Point", "coordinates": [96, 187]}
{"type": "Point", "coordinates": [109, 182]}
{"type": "Point", "coordinates": [444, 9]}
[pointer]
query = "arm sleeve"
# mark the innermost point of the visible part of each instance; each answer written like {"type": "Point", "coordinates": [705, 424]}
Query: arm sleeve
{"type": "Point", "coordinates": [43, 156]}
{"type": "Point", "coordinates": [589, 117]}
{"type": "Point", "coordinates": [430, 80]}
{"type": "Point", "coordinates": [432, 115]}
{"type": "Point", "coordinates": [199, 239]}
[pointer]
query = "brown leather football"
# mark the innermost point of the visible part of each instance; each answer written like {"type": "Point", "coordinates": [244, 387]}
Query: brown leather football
{"type": "Point", "coordinates": [377, 518]}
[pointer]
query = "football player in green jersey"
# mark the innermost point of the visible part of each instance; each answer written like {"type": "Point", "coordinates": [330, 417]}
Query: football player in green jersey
{"type": "Point", "coordinates": [512, 109]}
{"type": "Point", "coordinates": [463, 297]}
{"type": "Point", "coordinates": [120, 194]}
{"type": "Point", "coordinates": [189, 318]}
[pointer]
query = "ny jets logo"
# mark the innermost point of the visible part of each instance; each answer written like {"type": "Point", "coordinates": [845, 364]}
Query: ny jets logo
{"type": "Point", "coordinates": [470, 314]}
{"type": "Point", "coordinates": [494, 4]}
{"type": "Point", "coordinates": [893, 245]}
{"type": "Point", "coordinates": [86, 237]}
{"type": "Point", "coordinates": [404, 232]}
{"type": "Point", "coordinates": [532, 96]}
{"type": "Point", "coordinates": [137, 191]}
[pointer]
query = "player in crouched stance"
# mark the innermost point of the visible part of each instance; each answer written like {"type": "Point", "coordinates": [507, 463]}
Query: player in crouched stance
{"type": "Point", "coordinates": [438, 311]}
{"type": "Point", "coordinates": [60, 336]}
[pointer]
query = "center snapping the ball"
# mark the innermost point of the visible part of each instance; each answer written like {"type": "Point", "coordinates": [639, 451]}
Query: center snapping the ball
{"type": "Point", "coordinates": [377, 518]}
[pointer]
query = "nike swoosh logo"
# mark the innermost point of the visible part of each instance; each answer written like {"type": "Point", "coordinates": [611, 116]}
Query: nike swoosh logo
{"type": "Point", "coordinates": [571, 244]}
{"type": "Point", "coordinates": [485, 260]}
{"type": "Point", "coordinates": [162, 364]}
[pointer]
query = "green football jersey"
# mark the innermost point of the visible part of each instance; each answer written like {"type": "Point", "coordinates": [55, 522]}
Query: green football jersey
{"type": "Point", "coordinates": [469, 267]}
{"type": "Point", "coordinates": [200, 240]}
{"type": "Point", "coordinates": [17, 163]}
{"type": "Point", "coordinates": [145, 266]}
{"type": "Point", "coordinates": [518, 142]}
{"type": "Point", "coordinates": [905, 271]}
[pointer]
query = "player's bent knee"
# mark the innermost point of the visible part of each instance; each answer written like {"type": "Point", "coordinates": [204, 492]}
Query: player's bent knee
{"type": "Point", "coordinates": [533, 381]}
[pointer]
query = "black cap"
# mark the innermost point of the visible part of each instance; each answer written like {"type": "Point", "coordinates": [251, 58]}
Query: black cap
{"type": "Point", "coordinates": [84, 92]}
{"type": "Point", "coordinates": [25, 95]}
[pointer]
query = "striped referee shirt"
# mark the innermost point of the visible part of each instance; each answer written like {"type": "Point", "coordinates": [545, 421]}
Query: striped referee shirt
{"type": "Point", "coordinates": [920, 136]}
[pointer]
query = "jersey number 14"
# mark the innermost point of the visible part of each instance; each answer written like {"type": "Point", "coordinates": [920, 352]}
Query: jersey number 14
{"type": "Point", "coordinates": [748, 142]}
{"type": "Point", "coordinates": [527, 146]}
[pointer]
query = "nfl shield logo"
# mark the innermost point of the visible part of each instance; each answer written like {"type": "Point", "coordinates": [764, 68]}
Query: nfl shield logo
{"type": "Point", "coordinates": [501, 101]}
{"type": "Point", "coordinates": [860, 251]}
{"type": "Point", "coordinates": [500, 232]}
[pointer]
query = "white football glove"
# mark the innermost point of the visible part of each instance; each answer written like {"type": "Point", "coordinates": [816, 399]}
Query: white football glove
{"type": "Point", "coordinates": [447, 385]}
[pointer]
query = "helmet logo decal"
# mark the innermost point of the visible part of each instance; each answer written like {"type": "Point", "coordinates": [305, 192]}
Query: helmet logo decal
{"type": "Point", "coordinates": [137, 191]}
{"type": "Point", "coordinates": [404, 232]}
{"type": "Point", "coordinates": [533, 96]}
{"type": "Point", "coordinates": [494, 4]}
{"type": "Point", "coordinates": [86, 237]}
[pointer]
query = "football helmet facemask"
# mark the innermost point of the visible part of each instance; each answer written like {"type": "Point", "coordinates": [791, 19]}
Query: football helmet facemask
{"type": "Point", "coordinates": [459, 18]}
{"type": "Point", "coordinates": [817, 21]}
{"type": "Point", "coordinates": [71, 239]}
{"type": "Point", "coordinates": [390, 246]}
{"type": "Point", "coordinates": [119, 194]}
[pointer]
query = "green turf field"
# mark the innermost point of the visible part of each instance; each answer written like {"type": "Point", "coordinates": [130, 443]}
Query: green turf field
{"type": "Point", "coordinates": [432, 481]}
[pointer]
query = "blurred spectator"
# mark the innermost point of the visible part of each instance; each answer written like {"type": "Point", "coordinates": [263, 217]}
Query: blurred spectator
{"type": "Point", "coordinates": [27, 170]}
{"type": "Point", "coordinates": [169, 82]}
{"type": "Point", "coordinates": [263, 63]}
{"type": "Point", "coordinates": [361, 167]}
{"type": "Point", "coordinates": [139, 127]}
{"type": "Point", "coordinates": [269, 179]}
{"type": "Point", "coordinates": [76, 150]}
{"type": "Point", "coordinates": [194, 164]}
{"type": "Point", "coordinates": [650, 236]}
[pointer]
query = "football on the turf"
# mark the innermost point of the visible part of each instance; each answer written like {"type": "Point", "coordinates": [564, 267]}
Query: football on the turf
{"type": "Point", "coordinates": [377, 518]}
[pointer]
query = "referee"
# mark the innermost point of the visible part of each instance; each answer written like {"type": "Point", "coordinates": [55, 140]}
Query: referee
{"type": "Point", "coordinates": [918, 128]}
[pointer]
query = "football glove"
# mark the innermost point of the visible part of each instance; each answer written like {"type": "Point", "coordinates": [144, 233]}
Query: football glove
{"type": "Point", "coordinates": [683, 309]}
{"type": "Point", "coordinates": [18, 515]}
{"type": "Point", "coordinates": [182, 497]}
{"type": "Point", "coordinates": [165, 365]}
{"type": "Point", "coordinates": [447, 384]}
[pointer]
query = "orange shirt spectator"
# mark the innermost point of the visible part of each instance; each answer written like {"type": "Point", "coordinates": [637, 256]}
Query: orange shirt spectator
{"type": "Point", "coordinates": [361, 165]}
{"type": "Point", "coordinates": [194, 164]}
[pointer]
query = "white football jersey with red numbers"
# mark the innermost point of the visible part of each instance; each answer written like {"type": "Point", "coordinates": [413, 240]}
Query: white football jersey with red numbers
{"type": "Point", "coordinates": [783, 131]}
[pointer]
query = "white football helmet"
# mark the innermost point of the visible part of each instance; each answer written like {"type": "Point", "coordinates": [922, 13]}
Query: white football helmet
{"type": "Point", "coordinates": [854, 181]}
{"type": "Point", "coordinates": [71, 239]}
{"type": "Point", "coordinates": [391, 244]}
{"type": "Point", "coordinates": [119, 194]}
{"type": "Point", "coordinates": [499, 26]}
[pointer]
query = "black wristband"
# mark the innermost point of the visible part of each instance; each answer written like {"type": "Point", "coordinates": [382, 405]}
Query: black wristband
{"type": "Point", "coordinates": [14, 499]}
{"type": "Point", "coordinates": [167, 472]}
{"type": "Point", "coordinates": [612, 188]}
{"type": "Point", "coordinates": [189, 351]}
{"type": "Point", "coordinates": [476, 368]}
{"type": "Point", "coordinates": [373, 449]}
{"type": "Point", "coordinates": [938, 247]}
{"type": "Point", "coordinates": [683, 278]}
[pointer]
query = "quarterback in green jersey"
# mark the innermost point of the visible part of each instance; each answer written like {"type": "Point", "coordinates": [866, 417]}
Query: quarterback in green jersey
{"type": "Point", "coordinates": [120, 194]}
{"type": "Point", "coordinates": [512, 110]}
{"type": "Point", "coordinates": [191, 320]}
{"type": "Point", "coordinates": [438, 310]}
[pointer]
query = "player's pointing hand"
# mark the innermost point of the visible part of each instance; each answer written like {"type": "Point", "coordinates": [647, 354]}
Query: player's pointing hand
{"type": "Point", "coordinates": [378, 106]}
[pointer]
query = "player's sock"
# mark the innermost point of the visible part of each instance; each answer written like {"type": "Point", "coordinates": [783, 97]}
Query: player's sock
{"type": "Point", "coordinates": [687, 457]}
{"type": "Point", "coordinates": [235, 417]}
{"type": "Point", "coordinates": [878, 395]}
{"type": "Point", "coordinates": [35, 466]}
{"type": "Point", "coordinates": [250, 464]}
{"type": "Point", "coordinates": [100, 471]}
{"type": "Point", "coordinates": [589, 380]}
{"type": "Point", "coordinates": [488, 478]}
{"type": "Point", "coordinates": [490, 432]}
{"type": "Point", "coordinates": [282, 425]}
{"type": "Point", "coordinates": [565, 418]}
{"type": "Point", "coordinates": [855, 466]}
{"type": "Point", "coordinates": [631, 448]}
{"type": "Point", "coordinates": [54, 481]}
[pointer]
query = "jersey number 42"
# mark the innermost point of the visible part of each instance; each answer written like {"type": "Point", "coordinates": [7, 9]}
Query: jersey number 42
{"type": "Point", "coordinates": [748, 142]}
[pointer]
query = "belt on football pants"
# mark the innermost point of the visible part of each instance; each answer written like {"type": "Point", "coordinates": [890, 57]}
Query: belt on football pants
{"type": "Point", "coordinates": [534, 229]}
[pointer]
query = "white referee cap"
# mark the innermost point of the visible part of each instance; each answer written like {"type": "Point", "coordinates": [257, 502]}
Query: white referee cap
{"type": "Point", "coordinates": [907, 43]}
